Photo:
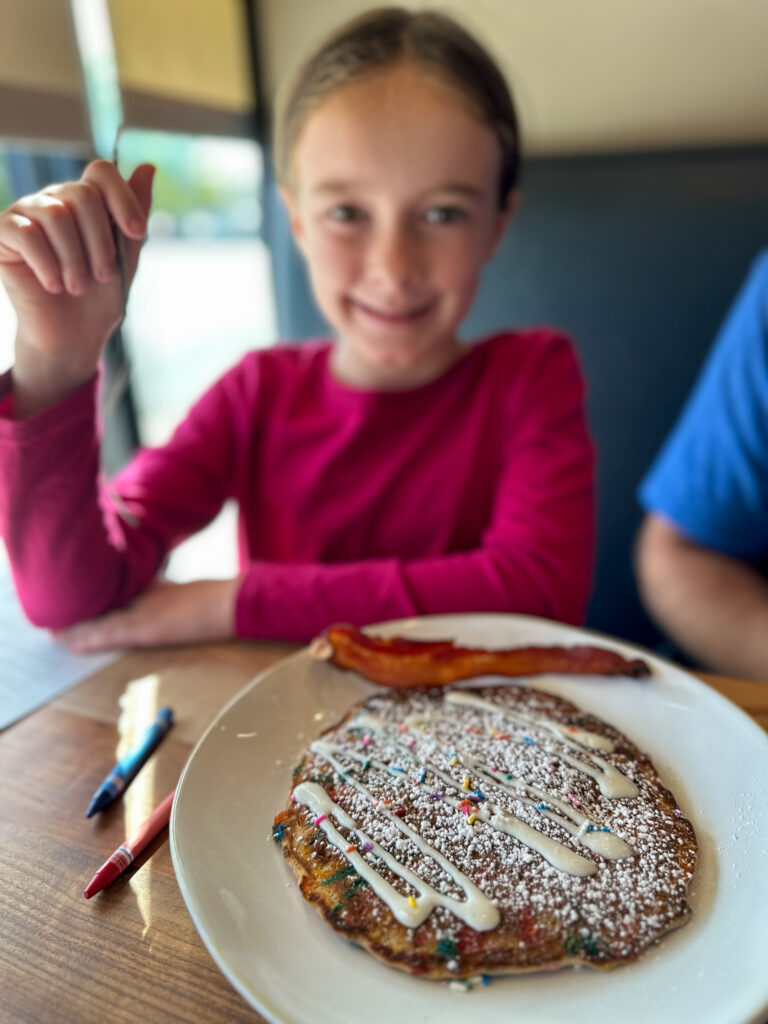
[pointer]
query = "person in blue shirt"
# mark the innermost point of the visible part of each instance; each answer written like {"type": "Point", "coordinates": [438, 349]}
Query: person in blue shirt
{"type": "Point", "coordinates": [702, 551]}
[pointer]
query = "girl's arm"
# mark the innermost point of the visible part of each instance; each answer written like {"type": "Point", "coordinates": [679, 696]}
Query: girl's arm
{"type": "Point", "coordinates": [59, 266]}
{"type": "Point", "coordinates": [165, 613]}
{"type": "Point", "coordinates": [77, 547]}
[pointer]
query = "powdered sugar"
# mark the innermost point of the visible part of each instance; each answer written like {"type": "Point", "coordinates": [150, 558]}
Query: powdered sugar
{"type": "Point", "coordinates": [428, 780]}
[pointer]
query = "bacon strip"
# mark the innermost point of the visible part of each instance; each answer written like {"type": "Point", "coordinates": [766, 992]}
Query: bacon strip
{"type": "Point", "coordinates": [397, 662]}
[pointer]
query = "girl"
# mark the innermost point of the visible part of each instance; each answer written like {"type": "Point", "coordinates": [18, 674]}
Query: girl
{"type": "Point", "coordinates": [391, 472]}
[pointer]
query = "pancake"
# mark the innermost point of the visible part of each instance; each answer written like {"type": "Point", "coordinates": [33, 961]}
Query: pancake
{"type": "Point", "coordinates": [493, 830]}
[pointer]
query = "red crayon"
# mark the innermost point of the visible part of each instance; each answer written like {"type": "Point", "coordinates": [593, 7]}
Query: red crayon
{"type": "Point", "coordinates": [126, 854]}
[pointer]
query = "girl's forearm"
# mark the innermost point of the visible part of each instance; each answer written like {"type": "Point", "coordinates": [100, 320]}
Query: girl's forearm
{"type": "Point", "coordinates": [74, 556]}
{"type": "Point", "coordinates": [40, 379]}
{"type": "Point", "coordinates": [202, 611]}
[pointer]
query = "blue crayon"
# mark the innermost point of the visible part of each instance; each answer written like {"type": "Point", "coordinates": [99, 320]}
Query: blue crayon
{"type": "Point", "coordinates": [126, 768]}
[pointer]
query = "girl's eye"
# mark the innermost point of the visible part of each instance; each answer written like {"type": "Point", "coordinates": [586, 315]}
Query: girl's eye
{"type": "Point", "coordinates": [345, 213]}
{"type": "Point", "coordinates": [444, 215]}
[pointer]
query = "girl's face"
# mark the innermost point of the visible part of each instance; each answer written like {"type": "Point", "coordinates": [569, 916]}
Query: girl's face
{"type": "Point", "coordinates": [394, 203]}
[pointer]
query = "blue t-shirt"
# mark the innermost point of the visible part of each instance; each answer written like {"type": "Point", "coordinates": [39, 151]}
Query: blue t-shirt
{"type": "Point", "coordinates": [711, 476]}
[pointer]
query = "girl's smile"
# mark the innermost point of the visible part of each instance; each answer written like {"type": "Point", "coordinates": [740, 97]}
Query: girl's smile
{"type": "Point", "coordinates": [394, 203]}
{"type": "Point", "coordinates": [395, 317]}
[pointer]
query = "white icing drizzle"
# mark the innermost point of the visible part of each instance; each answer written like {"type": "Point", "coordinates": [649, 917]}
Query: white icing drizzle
{"type": "Point", "coordinates": [611, 782]}
{"type": "Point", "coordinates": [585, 739]}
{"type": "Point", "coordinates": [606, 844]}
{"type": "Point", "coordinates": [476, 909]}
{"type": "Point", "coordinates": [559, 856]}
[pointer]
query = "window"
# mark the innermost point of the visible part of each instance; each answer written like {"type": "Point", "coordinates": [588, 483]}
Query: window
{"type": "Point", "coordinates": [203, 294]}
{"type": "Point", "coordinates": [202, 297]}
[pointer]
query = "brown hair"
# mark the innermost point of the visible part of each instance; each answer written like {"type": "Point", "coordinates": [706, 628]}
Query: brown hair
{"type": "Point", "coordinates": [387, 36]}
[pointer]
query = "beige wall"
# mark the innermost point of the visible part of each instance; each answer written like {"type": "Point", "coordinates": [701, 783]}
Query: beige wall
{"type": "Point", "coordinates": [591, 75]}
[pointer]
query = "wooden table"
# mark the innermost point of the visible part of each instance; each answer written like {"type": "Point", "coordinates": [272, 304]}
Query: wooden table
{"type": "Point", "coordinates": [132, 953]}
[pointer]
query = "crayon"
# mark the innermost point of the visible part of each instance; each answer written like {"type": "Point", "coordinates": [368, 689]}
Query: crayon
{"type": "Point", "coordinates": [128, 851]}
{"type": "Point", "coordinates": [127, 767]}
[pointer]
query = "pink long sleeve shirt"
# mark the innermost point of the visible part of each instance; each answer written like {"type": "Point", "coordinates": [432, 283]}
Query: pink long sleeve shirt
{"type": "Point", "coordinates": [471, 493]}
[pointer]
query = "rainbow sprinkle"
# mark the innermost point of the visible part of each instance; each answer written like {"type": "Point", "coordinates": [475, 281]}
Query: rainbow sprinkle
{"type": "Point", "coordinates": [345, 872]}
{"type": "Point", "coordinates": [319, 818]}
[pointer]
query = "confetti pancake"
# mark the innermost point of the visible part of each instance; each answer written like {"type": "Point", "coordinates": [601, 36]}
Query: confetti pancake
{"type": "Point", "coordinates": [486, 831]}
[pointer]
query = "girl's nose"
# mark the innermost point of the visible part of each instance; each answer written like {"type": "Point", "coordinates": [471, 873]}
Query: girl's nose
{"type": "Point", "coordinates": [394, 256]}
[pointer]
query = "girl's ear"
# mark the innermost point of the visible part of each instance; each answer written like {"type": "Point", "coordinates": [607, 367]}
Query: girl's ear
{"type": "Point", "coordinates": [294, 218]}
{"type": "Point", "coordinates": [504, 216]}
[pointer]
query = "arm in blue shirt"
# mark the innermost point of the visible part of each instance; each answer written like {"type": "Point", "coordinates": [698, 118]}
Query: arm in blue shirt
{"type": "Point", "coordinates": [710, 478]}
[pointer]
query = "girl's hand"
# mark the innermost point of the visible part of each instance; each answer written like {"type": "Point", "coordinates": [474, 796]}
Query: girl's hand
{"type": "Point", "coordinates": [58, 263]}
{"type": "Point", "coordinates": [166, 613]}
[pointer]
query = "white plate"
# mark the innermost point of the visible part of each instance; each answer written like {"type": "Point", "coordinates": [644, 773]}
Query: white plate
{"type": "Point", "coordinates": [290, 966]}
